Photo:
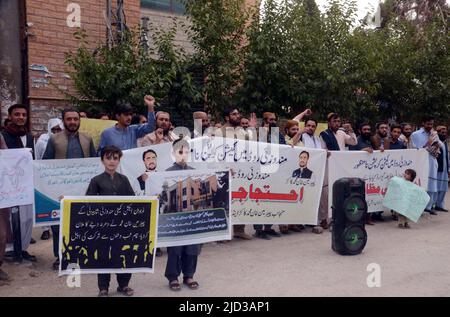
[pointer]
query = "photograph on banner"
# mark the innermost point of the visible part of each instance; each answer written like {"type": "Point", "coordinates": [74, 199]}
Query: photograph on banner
{"type": "Point", "coordinates": [406, 198]}
{"type": "Point", "coordinates": [94, 128]}
{"type": "Point", "coordinates": [376, 170]}
{"type": "Point", "coordinates": [108, 234]}
{"type": "Point", "coordinates": [140, 163]}
{"type": "Point", "coordinates": [16, 178]}
{"type": "Point", "coordinates": [194, 206]}
{"type": "Point", "coordinates": [271, 184]}
{"type": "Point", "coordinates": [56, 178]}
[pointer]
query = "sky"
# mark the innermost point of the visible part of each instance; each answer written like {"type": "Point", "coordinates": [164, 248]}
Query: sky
{"type": "Point", "coordinates": [364, 6]}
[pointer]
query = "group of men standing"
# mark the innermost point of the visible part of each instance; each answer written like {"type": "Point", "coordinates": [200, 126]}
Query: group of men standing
{"type": "Point", "coordinates": [65, 141]}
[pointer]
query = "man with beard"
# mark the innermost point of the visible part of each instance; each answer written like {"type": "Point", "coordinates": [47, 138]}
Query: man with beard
{"type": "Point", "coordinates": [310, 140]}
{"type": "Point", "coordinates": [443, 169]}
{"type": "Point", "coordinates": [232, 129]}
{"type": "Point", "coordinates": [245, 123]}
{"type": "Point", "coordinates": [149, 158]}
{"type": "Point", "coordinates": [405, 137]}
{"type": "Point", "coordinates": [428, 139]}
{"type": "Point", "coordinates": [269, 124]}
{"type": "Point", "coordinates": [380, 140]}
{"type": "Point", "coordinates": [364, 139]}
{"type": "Point", "coordinates": [293, 133]}
{"type": "Point", "coordinates": [16, 136]}
{"type": "Point", "coordinates": [201, 124]}
{"type": "Point", "coordinates": [162, 134]}
{"type": "Point", "coordinates": [124, 135]}
{"type": "Point", "coordinates": [336, 138]}
{"type": "Point", "coordinates": [395, 143]}
{"type": "Point", "coordinates": [364, 144]}
{"type": "Point", "coordinates": [68, 144]}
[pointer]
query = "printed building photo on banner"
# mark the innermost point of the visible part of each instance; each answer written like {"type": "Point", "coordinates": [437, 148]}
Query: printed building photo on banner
{"type": "Point", "coordinates": [271, 184]}
{"type": "Point", "coordinates": [108, 234]}
{"type": "Point", "coordinates": [56, 178]}
{"type": "Point", "coordinates": [193, 205]}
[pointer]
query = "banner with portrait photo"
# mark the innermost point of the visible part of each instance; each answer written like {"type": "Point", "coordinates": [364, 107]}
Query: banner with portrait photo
{"type": "Point", "coordinates": [16, 178]}
{"type": "Point", "coordinates": [56, 178]}
{"type": "Point", "coordinates": [138, 163]}
{"type": "Point", "coordinates": [271, 184]}
{"type": "Point", "coordinates": [193, 205]}
{"type": "Point", "coordinates": [108, 234]}
{"type": "Point", "coordinates": [376, 170]}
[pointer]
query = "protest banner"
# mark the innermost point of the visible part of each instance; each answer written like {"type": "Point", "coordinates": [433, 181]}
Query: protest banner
{"type": "Point", "coordinates": [376, 170]}
{"type": "Point", "coordinates": [108, 234]}
{"type": "Point", "coordinates": [134, 165]}
{"type": "Point", "coordinates": [256, 169]}
{"type": "Point", "coordinates": [194, 206]}
{"type": "Point", "coordinates": [56, 178]}
{"type": "Point", "coordinates": [94, 128]}
{"type": "Point", "coordinates": [271, 184]}
{"type": "Point", "coordinates": [406, 198]}
{"type": "Point", "coordinates": [16, 178]}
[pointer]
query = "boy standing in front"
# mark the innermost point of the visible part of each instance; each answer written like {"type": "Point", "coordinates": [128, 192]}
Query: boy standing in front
{"type": "Point", "coordinates": [111, 183]}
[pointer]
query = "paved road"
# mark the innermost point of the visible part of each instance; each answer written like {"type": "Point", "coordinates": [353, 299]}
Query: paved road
{"type": "Point", "coordinates": [413, 262]}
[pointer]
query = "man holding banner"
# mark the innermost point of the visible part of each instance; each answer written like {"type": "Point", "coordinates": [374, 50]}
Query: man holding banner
{"type": "Point", "coordinates": [69, 144]}
{"type": "Point", "coordinates": [5, 227]}
{"type": "Point", "coordinates": [16, 136]}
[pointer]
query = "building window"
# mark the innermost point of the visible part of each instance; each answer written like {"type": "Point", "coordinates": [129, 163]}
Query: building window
{"type": "Point", "coordinates": [184, 191]}
{"type": "Point", "coordinates": [192, 191]}
{"type": "Point", "coordinates": [184, 204]}
{"type": "Point", "coordinates": [172, 6]}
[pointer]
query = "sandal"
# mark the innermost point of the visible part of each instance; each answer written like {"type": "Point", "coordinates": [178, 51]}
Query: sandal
{"type": "Point", "coordinates": [174, 285]}
{"type": "Point", "coordinates": [192, 285]}
{"type": "Point", "coordinates": [103, 293]}
{"type": "Point", "coordinates": [127, 291]}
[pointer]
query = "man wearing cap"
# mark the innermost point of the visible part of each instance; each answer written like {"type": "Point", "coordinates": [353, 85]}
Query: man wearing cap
{"type": "Point", "coordinates": [124, 135]}
{"type": "Point", "coordinates": [201, 123]}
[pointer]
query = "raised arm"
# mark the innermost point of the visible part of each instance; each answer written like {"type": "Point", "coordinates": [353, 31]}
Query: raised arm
{"type": "Point", "coordinates": [300, 116]}
{"type": "Point", "coordinates": [149, 127]}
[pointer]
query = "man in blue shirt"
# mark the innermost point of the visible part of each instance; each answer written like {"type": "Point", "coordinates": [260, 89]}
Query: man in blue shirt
{"type": "Point", "coordinates": [124, 135]}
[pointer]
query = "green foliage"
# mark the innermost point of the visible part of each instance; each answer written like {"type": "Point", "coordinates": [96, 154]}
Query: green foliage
{"type": "Point", "coordinates": [289, 58]}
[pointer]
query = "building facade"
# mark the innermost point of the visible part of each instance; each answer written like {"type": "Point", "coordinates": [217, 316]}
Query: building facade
{"type": "Point", "coordinates": [35, 35]}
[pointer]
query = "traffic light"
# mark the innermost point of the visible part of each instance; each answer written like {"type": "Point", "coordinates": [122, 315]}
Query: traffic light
{"type": "Point", "coordinates": [349, 208]}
